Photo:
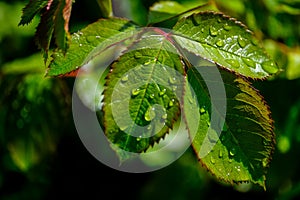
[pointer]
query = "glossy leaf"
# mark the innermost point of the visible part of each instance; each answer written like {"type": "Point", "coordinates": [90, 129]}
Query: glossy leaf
{"type": "Point", "coordinates": [246, 143]}
{"type": "Point", "coordinates": [142, 94]}
{"type": "Point", "coordinates": [89, 42]}
{"type": "Point", "coordinates": [225, 41]}
{"type": "Point", "coordinates": [164, 10]}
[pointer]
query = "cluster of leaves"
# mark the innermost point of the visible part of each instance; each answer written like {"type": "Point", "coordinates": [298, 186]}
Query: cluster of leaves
{"type": "Point", "coordinates": [245, 147]}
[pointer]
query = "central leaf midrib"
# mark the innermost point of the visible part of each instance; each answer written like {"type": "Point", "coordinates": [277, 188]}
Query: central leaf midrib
{"type": "Point", "coordinates": [135, 118]}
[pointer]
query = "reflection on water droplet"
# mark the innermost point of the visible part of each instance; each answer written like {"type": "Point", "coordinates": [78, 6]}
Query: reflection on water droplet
{"type": "Point", "coordinates": [242, 41]}
{"type": "Point", "coordinates": [227, 27]}
{"type": "Point", "coordinates": [149, 127]}
{"type": "Point", "coordinates": [171, 103]}
{"type": "Point", "coordinates": [232, 151]}
{"type": "Point", "coordinates": [97, 37]}
{"type": "Point", "coordinates": [249, 62]}
{"type": "Point", "coordinates": [164, 116]}
{"type": "Point", "coordinates": [172, 80]}
{"type": "Point", "coordinates": [122, 128]}
{"type": "Point", "coordinates": [212, 160]}
{"type": "Point", "coordinates": [135, 92]}
{"type": "Point", "coordinates": [228, 174]}
{"type": "Point", "coordinates": [150, 114]}
{"type": "Point", "coordinates": [138, 55]}
{"type": "Point", "coordinates": [174, 88]}
{"type": "Point", "coordinates": [80, 45]}
{"type": "Point", "coordinates": [220, 154]}
{"type": "Point", "coordinates": [220, 43]}
{"type": "Point", "coordinates": [191, 100]}
{"type": "Point", "coordinates": [138, 138]}
{"type": "Point", "coordinates": [162, 92]}
{"type": "Point", "coordinates": [202, 110]}
{"type": "Point", "coordinates": [146, 63]}
{"type": "Point", "coordinates": [152, 96]}
{"type": "Point", "coordinates": [124, 78]}
{"type": "Point", "coordinates": [233, 63]}
{"type": "Point", "coordinates": [213, 31]}
{"type": "Point", "coordinates": [238, 168]}
{"type": "Point", "coordinates": [270, 67]}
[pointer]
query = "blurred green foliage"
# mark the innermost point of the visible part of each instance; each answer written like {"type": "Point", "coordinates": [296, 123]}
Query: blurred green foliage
{"type": "Point", "coordinates": [42, 157]}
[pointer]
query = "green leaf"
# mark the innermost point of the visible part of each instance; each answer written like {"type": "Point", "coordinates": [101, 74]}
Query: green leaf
{"type": "Point", "coordinates": [164, 10]}
{"type": "Point", "coordinates": [45, 29]}
{"type": "Point", "coordinates": [225, 41]}
{"type": "Point", "coordinates": [90, 42]}
{"type": "Point", "coordinates": [31, 9]}
{"type": "Point", "coordinates": [246, 143]}
{"type": "Point", "coordinates": [106, 8]}
{"type": "Point", "coordinates": [61, 24]}
{"type": "Point", "coordinates": [142, 94]}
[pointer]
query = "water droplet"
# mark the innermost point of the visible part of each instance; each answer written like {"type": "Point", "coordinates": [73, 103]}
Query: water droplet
{"type": "Point", "coordinates": [174, 88]}
{"type": "Point", "coordinates": [202, 110]}
{"type": "Point", "coordinates": [135, 92]}
{"type": "Point", "coordinates": [164, 116]}
{"type": "Point", "coordinates": [228, 174]}
{"type": "Point", "coordinates": [232, 151]}
{"type": "Point", "coordinates": [202, 30]}
{"type": "Point", "coordinates": [80, 45]}
{"type": "Point", "coordinates": [122, 128]}
{"type": "Point", "coordinates": [92, 40]}
{"type": "Point", "coordinates": [97, 37]}
{"type": "Point", "coordinates": [213, 31]}
{"type": "Point", "coordinates": [152, 96]}
{"type": "Point", "coordinates": [172, 80]}
{"type": "Point", "coordinates": [227, 27]}
{"type": "Point", "coordinates": [220, 43]}
{"type": "Point", "coordinates": [191, 100]}
{"type": "Point", "coordinates": [195, 20]}
{"type": "Point", "coordinates": [146, 63]}
{"type": "Point", "coordinates": [234, 63]}
{"type": "Point", "coordinates": [219, 20]}
{"type": "Point", "coordinates": [242, 41]}
{"type": "Point", "coordinates": [212, 160]}
{"type": "Point", "coordinates": [162, 92]}
{"type": "Point", "coordinates": [249, 62]}
{"type": "Point", "coordinates": [171, 103]}
{"type": "Point", "coordinates": [149, 127]}
{"type": "Point", "coordinates": [238, 168]}
{"type": "Point", "coordinates": [138, 55]}
{"type": "Point", "coordinates": [124, 78]}
{"type": "Point", "coordinates": [220, 154]}
{"type": "Point", "coordinates": [138, 138]}
{"type": "Point", "coordinates": [150, 114]}
{"type": "Point", "coordinates": [270, 67]}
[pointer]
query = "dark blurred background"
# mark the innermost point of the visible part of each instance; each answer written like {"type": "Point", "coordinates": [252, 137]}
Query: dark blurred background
{"type": "Point", "coordinates": [42, 157]}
